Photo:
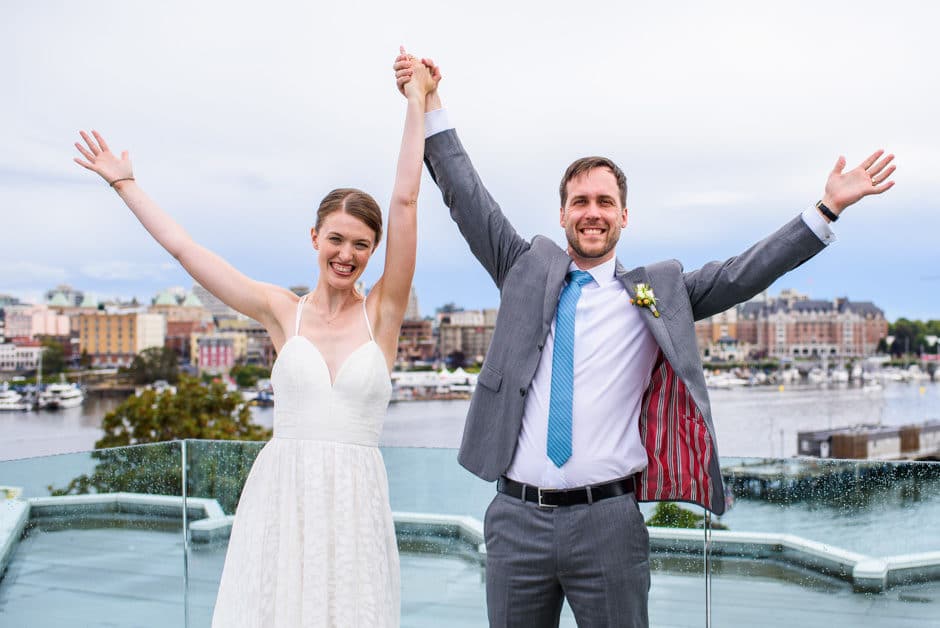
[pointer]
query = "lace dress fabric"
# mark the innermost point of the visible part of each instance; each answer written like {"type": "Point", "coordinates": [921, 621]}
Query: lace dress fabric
{"type": "Point", "coordinates": [313, 542]}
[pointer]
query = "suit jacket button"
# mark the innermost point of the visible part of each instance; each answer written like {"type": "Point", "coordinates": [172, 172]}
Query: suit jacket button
{"type": "Point", "coordinates": [522, 392]}
{"type": "Point", "coordinates": [541, 346]}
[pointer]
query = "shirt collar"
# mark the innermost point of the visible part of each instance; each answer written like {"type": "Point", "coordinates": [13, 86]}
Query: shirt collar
{"type": "Point", "coordinates": [602, 274]}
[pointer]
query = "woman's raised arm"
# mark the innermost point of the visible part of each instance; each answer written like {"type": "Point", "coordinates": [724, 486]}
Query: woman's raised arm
{"type": "Point", "coordinates": [251, 298]}
{"type": "Point", "coordinates": [394, 286]}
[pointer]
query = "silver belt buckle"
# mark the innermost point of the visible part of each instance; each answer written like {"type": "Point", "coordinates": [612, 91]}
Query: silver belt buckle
{"type": "Point", "coordinates": [544, 505]}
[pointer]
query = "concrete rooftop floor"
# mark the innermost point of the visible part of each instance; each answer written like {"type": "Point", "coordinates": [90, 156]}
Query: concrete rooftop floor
{"type": "Point", "coordinates": [133, 577]}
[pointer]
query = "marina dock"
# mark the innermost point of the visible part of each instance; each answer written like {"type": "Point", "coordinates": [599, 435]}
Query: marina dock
{"type": "Point", "coordinates": [803, 478]}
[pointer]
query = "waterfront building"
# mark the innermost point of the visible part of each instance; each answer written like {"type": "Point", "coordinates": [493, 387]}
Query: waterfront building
{"type": "Point", "coordinates": [215, 353]}
{"type": "Point", "coordinates": [114, 338]}
{"type": "Point", "coordinates": [20, 355]}
{"type": "Point", "coordinates": [211, 353]}
{"type": "Point", "coordinates": [29, 321]}
{"type": "Point", "coordinates": [412, 312]}
{"type": "Point", "coordinates": [19, 320]}
{"type": "Point", "coordinates": [465, 331]}
{"type": "Point", "coordinates": [59, 300]}
{"type": "Point", "coordinates": [468, 332]}
{"type": "Point", "coordinates": [460, 317]}
{"type": "Point", "coordinates": [179, 337]}
{"type": "Point", "coordinates": [125, 307]}
{"type": "Point", "coordinates": [416, 341]}
{"type": "Point", "coordinates": [64, 295]}
{"type": "Point", "coordinates": [188, 308]}
{"type": "Point", "coordinates": [794, 326]}
{"type": "Point", "coordinates": [259, 348]}
{"type": "Point", "coordinates": [88, 305]}
{"type": "Point", "coordinates": [218, 309]}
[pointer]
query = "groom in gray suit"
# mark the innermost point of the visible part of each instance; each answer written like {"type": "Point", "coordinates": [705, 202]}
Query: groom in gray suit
{"type": "Point", "coordinates": [592, 396]}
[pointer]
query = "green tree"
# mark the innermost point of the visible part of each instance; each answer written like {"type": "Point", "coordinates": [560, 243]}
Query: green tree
{"type": "Point", "coordinates": [671, 515]}
{"type": "Point", "coordinates": [248, 375]}
{"type": "Point", "coordinates": [911, 336]}
{"type": "Point", "coordinates": [905, 334]}
{"type": "Point", "coordinates": [152, 364]}
{"type": "Point", "coordinates": [53, 356]}
{"type": "Point", "coordinates": [195, 411]}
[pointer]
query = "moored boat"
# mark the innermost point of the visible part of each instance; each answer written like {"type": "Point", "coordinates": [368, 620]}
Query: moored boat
{"type": "Point", "coordinates": [59, 396]}
{"type": "Point", "coordinates": [10, 400]}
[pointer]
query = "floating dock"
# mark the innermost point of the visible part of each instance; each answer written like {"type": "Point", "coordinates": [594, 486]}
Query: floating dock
{"type": "Point", "coordinates": [873, 442]}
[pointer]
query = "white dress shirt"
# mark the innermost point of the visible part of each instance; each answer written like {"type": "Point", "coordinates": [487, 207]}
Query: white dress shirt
{"type": "Point", "coordinates": [614, 355]}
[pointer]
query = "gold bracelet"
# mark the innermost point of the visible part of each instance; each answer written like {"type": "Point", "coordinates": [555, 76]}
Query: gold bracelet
{"type": "Point", "coordinates": [119, 180]}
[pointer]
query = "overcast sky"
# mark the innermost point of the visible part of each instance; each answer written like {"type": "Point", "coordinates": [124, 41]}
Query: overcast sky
{"type": "Point", "coordinates": [240, 117]}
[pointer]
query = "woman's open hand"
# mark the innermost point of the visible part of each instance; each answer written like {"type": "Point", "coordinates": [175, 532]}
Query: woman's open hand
{"type": "Point", "coordinates": [100, 159]}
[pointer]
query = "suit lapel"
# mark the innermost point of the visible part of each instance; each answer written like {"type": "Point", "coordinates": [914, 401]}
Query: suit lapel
{"type": "Point", "coordinates": [655, 324]}
{"type": "Point", "coordinates": [557, 269]}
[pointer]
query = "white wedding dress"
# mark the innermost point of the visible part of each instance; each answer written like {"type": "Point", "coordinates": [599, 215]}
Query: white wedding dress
{"type": "Point", "coordinates": [313, 543]}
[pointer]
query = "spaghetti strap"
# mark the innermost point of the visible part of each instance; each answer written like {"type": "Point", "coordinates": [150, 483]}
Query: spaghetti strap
{"type": "Point", "coordinates": [300, 309]}
{"type": "Point", "coordinates": [366, 314]}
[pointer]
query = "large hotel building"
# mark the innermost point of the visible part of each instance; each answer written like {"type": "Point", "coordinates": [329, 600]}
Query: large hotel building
{"type": "Point", "coordinates": [114, 339]}
{"type": "Point", "coordinates": [793, 326]}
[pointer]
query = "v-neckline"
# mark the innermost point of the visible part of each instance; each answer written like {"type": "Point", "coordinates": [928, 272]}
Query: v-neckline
{"type": "Point", "coordinates": [342, 366]}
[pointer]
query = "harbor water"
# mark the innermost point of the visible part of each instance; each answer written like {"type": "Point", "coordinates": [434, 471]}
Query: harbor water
{"type": "Point", "coordinates": [750, 422]}
{"type": "Point", "coordinates": [756, 422]}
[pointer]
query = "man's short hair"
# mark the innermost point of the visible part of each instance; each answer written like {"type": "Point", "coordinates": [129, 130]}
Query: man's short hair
{"type": "Point", "coordinates": [586, 164]}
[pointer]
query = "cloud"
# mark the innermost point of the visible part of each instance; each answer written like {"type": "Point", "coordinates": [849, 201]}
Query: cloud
{"type": "Point", "coordinates": [123, 270]}
{"type": "Point", "coordinates": [727, 118]}
{"type": "Point", "coordinates": [27, 273]}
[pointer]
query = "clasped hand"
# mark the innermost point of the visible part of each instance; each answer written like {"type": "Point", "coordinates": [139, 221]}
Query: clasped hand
{"type": "Point", "coordinates": [417, 77]}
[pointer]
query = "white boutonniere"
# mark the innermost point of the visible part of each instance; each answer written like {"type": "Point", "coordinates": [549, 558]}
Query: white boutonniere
{"type": "Point", "coordinates": [645, 298]}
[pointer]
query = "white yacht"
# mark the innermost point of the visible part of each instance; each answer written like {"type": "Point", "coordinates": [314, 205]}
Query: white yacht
{"type": "Point", "coordinates": [58, 396]}
{"type": "Point", "coordinates": [12, 400]}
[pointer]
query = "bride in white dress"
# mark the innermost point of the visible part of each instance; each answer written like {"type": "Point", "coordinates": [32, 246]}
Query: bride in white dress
{"type": "Point", "coordinates": [313, 543]}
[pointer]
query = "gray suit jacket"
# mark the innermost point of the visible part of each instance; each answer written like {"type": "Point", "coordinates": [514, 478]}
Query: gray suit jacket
{"type": "Point", "coordinates": [675, 421]}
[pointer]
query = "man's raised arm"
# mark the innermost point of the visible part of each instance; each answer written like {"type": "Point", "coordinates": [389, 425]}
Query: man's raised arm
{"type": "Point", "coordinates": [716, 286]}
{"type": "Point", "coordinates": [491, 237]}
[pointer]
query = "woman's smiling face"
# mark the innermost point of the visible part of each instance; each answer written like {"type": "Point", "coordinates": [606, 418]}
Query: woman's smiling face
{"type": "Point", "coordinates": [344, 244]}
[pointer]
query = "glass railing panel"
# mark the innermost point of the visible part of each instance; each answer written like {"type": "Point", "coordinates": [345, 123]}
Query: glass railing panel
{"type": "Point", "coordinates": [441, 579]}
{"type": "Point", "coordinates": [818, 542]}
{"type": "Point", "coordinates": [829, 543]}
{"type": "Point", "coordinates": [438, 508]}
{"type": "Point", "coordinates": [93, 538]}
{"type": "Point", "coordinates": [215, 475]}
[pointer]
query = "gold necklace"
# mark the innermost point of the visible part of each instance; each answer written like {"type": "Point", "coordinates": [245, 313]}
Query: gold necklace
{"type": "Point", "coordinates": [328, 319]}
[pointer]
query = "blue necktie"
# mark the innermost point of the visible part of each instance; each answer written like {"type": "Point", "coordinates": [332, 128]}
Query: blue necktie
{"type": "Point", "coordinates": [559, 406]}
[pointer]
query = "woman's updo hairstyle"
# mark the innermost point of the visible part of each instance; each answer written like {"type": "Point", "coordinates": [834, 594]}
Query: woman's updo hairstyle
{"type": "Point", "coordinates": [355, 203]}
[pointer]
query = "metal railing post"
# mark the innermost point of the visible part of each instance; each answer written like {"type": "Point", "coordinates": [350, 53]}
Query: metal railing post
{"type": "Point", "coordinates": [183, 459]}
{"type": "Point", "coordinates": [708, 574]}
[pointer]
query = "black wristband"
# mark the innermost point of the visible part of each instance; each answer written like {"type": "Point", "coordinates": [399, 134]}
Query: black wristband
{"type": "Point", "coordinates": [826, 211]}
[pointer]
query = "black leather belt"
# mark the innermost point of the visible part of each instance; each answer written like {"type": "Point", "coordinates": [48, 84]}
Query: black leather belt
{"type": "Point", "coordinates": [552, 498]}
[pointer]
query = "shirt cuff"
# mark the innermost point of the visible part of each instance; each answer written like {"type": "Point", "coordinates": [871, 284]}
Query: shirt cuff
{"type": "Point", "coordinates": [435, 122]}
{"type": "Point", "coordinates": [818, 225]}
